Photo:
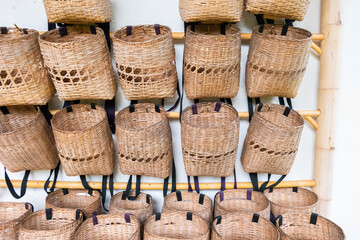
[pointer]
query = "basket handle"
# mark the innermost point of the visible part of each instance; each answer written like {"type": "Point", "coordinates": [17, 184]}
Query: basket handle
{"type": "Point", "coordinates": [288, 23]}
{"type": "Point", "coordinates": [127, 217]}
{"type": "Point", "coordinates": [157, 29]}
{"type": "Point", "coordinates": [23, 184]}
{"type": "Point", "coordinates": [94, 218]}
{"type": "Point", "coordinates": [255, 218]}
{"type": "Point", "coordinates": [47, 182]}
{"type": "Point", "coordinates": [126, 193]}
{"type": "Point", "coordinates": [4, 110]}
{"type": "Point", "coordinates": [196, 183]}
{"type": "Point", "coordinates": [250, 106]}
{"type": "Point", "coordinates": [3, 30]}
{"type": "Point", "coordinates": [28, 206]}
{"type": "Point", "coordinates": [173, 180]}
{"type": "Point", "coordinates": [255, 182]}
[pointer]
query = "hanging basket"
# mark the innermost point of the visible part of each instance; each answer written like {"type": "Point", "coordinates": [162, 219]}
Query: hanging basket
{"type": "Point", "coordinates": [23, 77]}
{"type": "Point", "coordinates": [145, 61]}
{"type": "Point", "coordinates": [276, 64]}
{"type": "Point", "coordinates": [212, 62]}
{"type": "Point", "coordinates": [26, 140]}
{"type": "Point", "coordinates": [84, 141]}
{"type": "Point", "coordinates": [78, 60]}
{"type": "Point", "coordinates": [272, 140]}
{"type": "Point", "coordinates": [209, 139]}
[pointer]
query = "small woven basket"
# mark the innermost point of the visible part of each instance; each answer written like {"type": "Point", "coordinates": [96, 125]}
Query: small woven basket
{"type": "Point", "coordinates": [23, 77]}
{"type": "Point", "coordinates": [176, 225]}
{"type": "Point", "coordinates": [144, 141]}
{"type": "Point", "coordinates": [84, 141]}
{"type": "Point", "coordinates": [236, 226]}
{"type": "Point", "coordinates": [212, 62]}
{"type": "Point", "coordinates": [145, 61]}
{"type": "Point", "coordinates": [211, 11]}
{"type": "Point", "coordinates": [26, 140]}
{"type": "Point", "coordinates": [272, 140]}
{"type": "Point", "coordinates": [79, 63]}
{"type": "Point", "coordinates": [85, 200]}
{"type": "Point", "coordinates": [209, 139]}
{"type": "Point", "coordinates": [78, 11]}
{"type": "Point", "coordinates": [10, 215]}
{"type": "Point", "coordinates": [276, 64]}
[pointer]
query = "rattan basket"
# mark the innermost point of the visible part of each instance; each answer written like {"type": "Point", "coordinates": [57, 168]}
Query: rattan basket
{"type": "Point", "coordinates": [272, 140]}
{"type": "Point", "coordinates": [144, 142]}
{"type": "Point", "coordinates": [145, 61]}
{"type": "Point", "coordinates": [79, 63]}
{"type": "Point", "coordinates": [212, 62]}
{"type": "Point", "coordinates": [84, 141]}
{"type": "Point", "coordinates": [276, 64]}
{"type": "Point", "coordinates": [209, 139]}
{"type": "Point", "coordinates": [26, 140]}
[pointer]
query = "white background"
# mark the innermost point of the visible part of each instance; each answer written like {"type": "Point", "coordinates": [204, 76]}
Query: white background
{"type": "Point", "coordinates": [345, 206]}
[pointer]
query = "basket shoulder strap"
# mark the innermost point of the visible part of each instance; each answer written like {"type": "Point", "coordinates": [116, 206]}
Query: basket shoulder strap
{"type": "Point", "coordinates": [110, 111]}
{"type": "Point", "coordinates": [23, 184]}
{"type": "Point", "coordinates": [196, 184]}
{"type": "Point", "coordinates": [47, 182]}
{"type": "Point", "coordinates": [173, 180]}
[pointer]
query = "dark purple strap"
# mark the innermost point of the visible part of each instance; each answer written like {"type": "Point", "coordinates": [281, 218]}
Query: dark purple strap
{"type": "Point", "coordinates": [194, 109]}
{"type": "Point", "coordinates": [157, 29]}
{"type": "Point", "coordinates": [127, 217]}
{"type": "Point", "coordinates": [217, 106]}
{"type": "Point", "coordinates": [110, 111]}
{"type": "Point", "coordinates": [28, 205]}
{"type": "Point", "coordinates": [248, 194]}
{"type": "Point", "coordinates": [93, 29]}
{"type": "Point", "coordinates": [196, 183]}
{"type": "Point", "coordinates": [94, 218]}
{"type": "Point", "coordinates": [128, 30]}
{"type": "Point", "coordinates": [63, 31]}
{"type": "Point", "coordinates": [221, 196]}
{"type": "Point", "coordinates": [189, 184]}
{"type": "Point", "coordinates": [4, 30]}
{"type": "Point", "coordinates": [223, 184]}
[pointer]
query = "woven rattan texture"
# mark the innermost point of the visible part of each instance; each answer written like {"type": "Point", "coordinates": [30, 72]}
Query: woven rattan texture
{"type": "Point", "coordinates": [272, 140]}
{"type": "Point", "coordinates": [84, 141]}
{"type": "Point", "coordinates": [23, 77]}
{"type": "Point", "coordinates": [212, 62]}
{"type": "Point", "coordinates": [276, 64]}
{"type": "Point", "coordinates": [145, 62]}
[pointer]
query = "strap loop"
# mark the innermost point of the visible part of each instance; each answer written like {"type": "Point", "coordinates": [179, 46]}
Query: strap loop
{"type": "Point", "coordinates": [157, 216]}
{"type": "Point", "coordinates": [28, 206]}
{"type": "Point", "coordinates": [128, 30]}
{"type": "Point", "coordinates": [313, 218]}
{"type": "Point", "coordinates": [63, 31]}
{"type": "Point", "coordinates": [65, 191]}
{"type": "Point", "coordinates": [94, 218]}
{"type": "Point", "coordinates": [127, 217]}
{"type": "Point", "coordinates": [189, 216]}
{"type": "Point", "coordinates": [23, 184]}
{"type": "Point", "coordinates": [48, 213]}
{"type": "Point", "coordinates": [4, 30]}
{"type": "Point", "coordinates": [218, 106]}
{"type": "Point", "coordinates": [4, 110]}
{"type": "Point", "coordinates": [255, 218]}
{"type": "Point", "coordinates": [194, 109]}
{"type": "Point", "coordinates": [178, 196]}
{"type": "Point", "coordinates": [157, 29]}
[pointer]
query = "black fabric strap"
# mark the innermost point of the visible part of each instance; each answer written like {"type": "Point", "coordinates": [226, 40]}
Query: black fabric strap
{"type": "Point", "coordinates": [189, 216]}
{"type": "Point", "coordinates": [157, 29]}
{"type": "Point", "coordinates": [182, 76]}
{"type": "Point", "coordinates": [289, 102]}
{"type": "Point", "coordinates": [201, 198]}
{"type": "Point", "coordinates": [133, 102]}
{"type": "Point", "coordinates": [260, 19]}
{"type": "Point", "coordinates": [48, 213]}
{"type": "Point", "coordinates": [47, 182]}
{"type": "Point", "coordinates": [218, 220]}
{"type": "Point", "coordinates": [65, 191]}
{"type": "Point", "coordinates": [277, 182]}
{"type": "Point", "coordinates": [295, 189]}
{"type": "Point", "coordinates": [270, 21]}
{"type": "Point", "coordinates": [261, 28]}
{"type": "Point", "coordinates": [23, 184]}
{"type": "Point", "coordinates": [157, 108]}
{"type": "Point", "coordinates": [280, 220]}
{"type": "Point", "coordinates": [255, 218]}
{"type": "Point", "coordinates": [260, 106]}
{"type": "Point", "coordinates": [103, 191]}
{"type": "Point", "coordinates": [63, 31]}
{"type": "Point", "coordinates": [45, 111]}
{"type": "Point", "coordinates": [51, 26]}
{"type": "Point", "coordinates": [250, 108]}
{"type": "Point", "coordinates": [4, 30]}
{"type": "Point", "coordinates": [196, 100]}
{"type": "Point", "coordinates": [281, 101]}
{"type": "Point", "coordinates": [78, 214]}
{"type": "Point", "coordinates": [128, 30]}
{"type": "Point", "coordinates": [148, 198]}
{"type": "Point", "coordinates": [93, 30]}
{"type": "Point", "coordinates": [177, 100]}
{"type": "Point", "coordinates": [132, 108]}
{"type": "Point", "coordinates": [126, 193]}
{"type": "Point", "coordinates": [178, 196]}
{"type": "Point", "coordinates": [254, 181]}
{"type": "Point", "coordinates": [110, 112]}
{"type": "Point", "coordinates": [196, 184]}
{"type": "Point", "coordinates": [287, 111]}
{"type": "Point", "coordinates": [157, 216]}
{"type": "Point", "coordinates": [106, 28]}
{"type": "Point", "coordinates": [257, 101]}
{"type": "Point", "coordinates": [84, 182]}
{"type": "Point", "coordinates": [313, 218]}
{"type": "Point", "coordinates": [173, 180]}
{"type": "Point", "coordinates": [223, 28]}
{"type": "Point", "coordinates": [69, 103]}
{"type": "Point", "coordinates": [4, 110]}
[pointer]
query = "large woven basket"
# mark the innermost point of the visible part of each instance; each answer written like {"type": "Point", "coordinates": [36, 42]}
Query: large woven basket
{"type": "Point", "coordinates": [211, 11]}
{"type": "Point", "coordinates": [276, 64]}
{"type": "Point", "coordinates": [26, 140]}
{"type": "Point", "coordinates": [144, 141]}
{"type": "Point", "coordinates": [10, 215]}
{"type": "Point", "coordinates": [176, 225]}
{"type": "Point", "coordinates": [209, 139]}
{"type": "Point", "coordinates": [87, 201]}
{"type": "Point", "coordinates": [212, 62]}
{"type": "Point", "coordinates": [145, 61]}
{"type": "Point", "coordinates": [84, 141]}
{"type": "Point", "coordinates": [23, 77]}
{"type": "Point", "coordinates": [272, 140]}
{"type": "Point", "coordinates": [235, 226]}
{"type": "Point", "coordinates": [79, 63]}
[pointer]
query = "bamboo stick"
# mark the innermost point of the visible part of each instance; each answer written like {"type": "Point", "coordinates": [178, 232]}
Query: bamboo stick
{"type": "Point", "coordinates": [312, 122]}
{"type": "Point", "coordinates": [316, 48]}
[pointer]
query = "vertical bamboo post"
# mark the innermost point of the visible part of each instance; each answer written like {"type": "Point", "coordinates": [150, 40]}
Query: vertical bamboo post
{"type": "Point", "coordinates": [329, 85]}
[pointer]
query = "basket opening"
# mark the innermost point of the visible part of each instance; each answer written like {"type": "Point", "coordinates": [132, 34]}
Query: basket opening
{"type": "Point", "coordinates": [274, 114]}
{"type": "Point", "coordinates": [189, 203]}
{"type": "Point", "coordinates": [213, 30]}
{"type": "Point", "coordinates": [142, 33]}
{"type": "Point", "coordinates": [75, 202]}
{"type": "Point", "coordinates": [292, 34]}
{"type": "Point", "coordinates": [287, 198]}
{"type": "Point", "coordinates": [18, 118]}
{"type": "Point", "coordinates": [10, 213]}
{"type": "Point", "coordinates": [39, 222]}
{"type": "Point", "coordinates": [75, 33]}
{"type": "Point", "coordinates": [16, 34]}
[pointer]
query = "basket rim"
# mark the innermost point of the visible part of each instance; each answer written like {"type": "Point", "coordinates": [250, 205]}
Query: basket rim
{"type": "Point", "coordinates": [85, 37]}
{"type": "Point", "coordinates": [283, 38]}
{"type": "Point", "coordinates": [198, 34]}
{"type": "Point", "coordinates": [73, 192]}
{"type": "Point", "coordinates": [19, 34]}
{"type": "Point", "coordinates": [186, 193]}
{"type": "Point", "coordinates": [119, 195]}
{"type": "Point", "coordinates": [10, 223]}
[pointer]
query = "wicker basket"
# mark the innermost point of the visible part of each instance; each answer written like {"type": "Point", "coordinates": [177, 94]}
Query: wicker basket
{"type": "Point", "coordinates": [78, 11]}
{"type": "Point", "coordinates": [145, 61]}
{"type": "Point", "coordinates": [10, 215]}
{"type": "Point", "coordinates": [211, 11]}
{"type": "Point", "coordinates": [272, 140]}
{"type": "Point", "coordinates": [236, 226]}
{"type": "Point", "coordinates": [276, 64]}
{"type": "Point", "coordinates": [212, 62]}
{"type": "Point", "coordinates": [87, 201]}
{"type": "Point", "coordinates": [209, 139]}
{"type": "Point", "coordinates": [144, 142]}
{"type": "Point", "coordinates": [84, 141]}
{"type": "Point", "coordinates": [26, 141]}
{"type": "Point", "coordinates": [176, 225]}
{"type": "Point", "coordinates": [79, 63]}
{"type": "Point", "coordinates": [23, 77]}
{"type": "Point", "coordinates": [59, 224]}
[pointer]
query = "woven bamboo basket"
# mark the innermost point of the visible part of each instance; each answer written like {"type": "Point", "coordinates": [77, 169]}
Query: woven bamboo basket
{"type": "Point", "coordinates": [200, 205]}
{"type": "Point", "coordinates": [293, 200]}
{"type": "Point", "coordinates": [241, 200]}
{"type": "Point", "coordinates": [60, 224]}
{"type": "Point", "coordinates": [10, 215]}
{"type": "Point", "coordinates": [85, 200]}
{"type": "Point", "coordinates": [294, 226]}
{"type": "Point", "coordinates": [23, 77]}
{"type": "Point", "coordinates": [84, 141]}
{"type": "Point", "coordinates": [145, 61]}
{"type": "Point", "coordinates": [212, 62]}
{"type": "Point", "coordinates": [78, 11]}
{"type": "Point", "coordinates": [209, 139]}
{"type": "Point", "coordinates": [276, 64]}
{"type": "Point", "coordinates": [26, 140]}
{"type": "Point", "coordinates": [236, 226]}
{"type": "Point", "coordinates": [211, 11]}
{"type": "Point", "coordinates": [289, 9]}
{"type": "Point", "coordinates": [176, 225]}
{"type": "Point", "coordinates": [79, 63]}
{"type": "Point", "coordinates": [272, 140]}
{"type": "Point", "coordinates": [144, 141]}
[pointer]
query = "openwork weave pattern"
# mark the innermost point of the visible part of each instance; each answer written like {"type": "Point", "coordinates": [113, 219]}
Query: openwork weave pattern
{"type": "Point", "coordinates": [276, 64]}
{"type": "Point", "coordinates": [23, 77]}
{"type": "Point", "coordinates": [212, 62]}
{"type": "Point", "coordinates": [145, 61]}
